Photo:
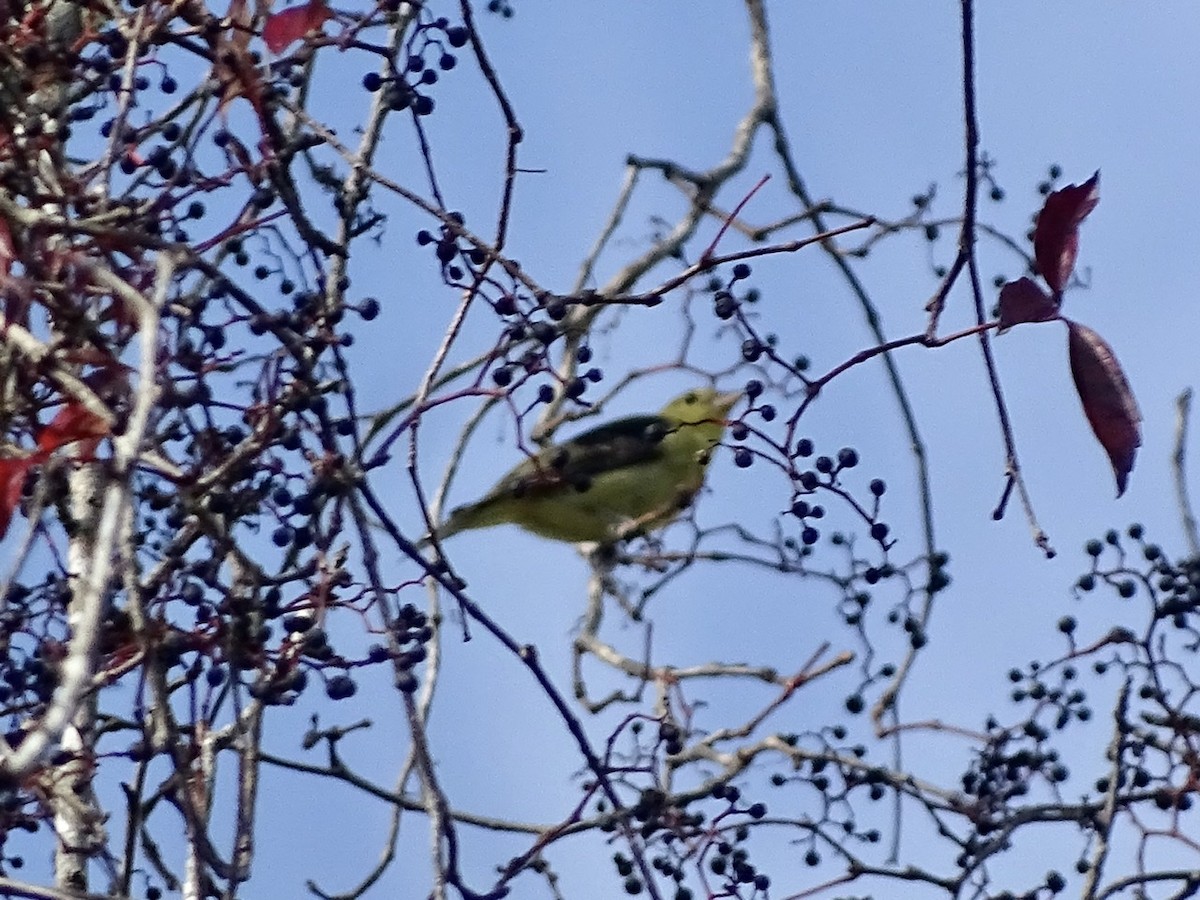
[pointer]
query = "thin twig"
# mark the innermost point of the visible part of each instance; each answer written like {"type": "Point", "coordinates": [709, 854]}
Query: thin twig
{"type": "Point", "coordinates": [1187, 517]}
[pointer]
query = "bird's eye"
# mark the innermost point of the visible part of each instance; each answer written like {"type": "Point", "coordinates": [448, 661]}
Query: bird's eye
{"type": "Point", "coordinates": [690, 398]}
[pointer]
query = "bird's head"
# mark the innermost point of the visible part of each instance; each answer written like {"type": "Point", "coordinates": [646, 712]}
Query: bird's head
{"type": "Point", "coordinates": [704, 404]}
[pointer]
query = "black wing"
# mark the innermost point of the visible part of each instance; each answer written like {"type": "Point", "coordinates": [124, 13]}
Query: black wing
{"type": "Point", "coordinates": [615, 445]}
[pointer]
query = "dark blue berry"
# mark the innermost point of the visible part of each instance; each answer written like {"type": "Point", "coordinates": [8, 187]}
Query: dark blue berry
{"type": "Point", "coordinates": [724, 305]}
{"type": "Point", "coordinates": [340, 687]}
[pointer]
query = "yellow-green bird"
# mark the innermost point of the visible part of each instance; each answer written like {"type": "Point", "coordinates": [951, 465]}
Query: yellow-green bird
{"type": "Point", "coordinates": [623, 478]}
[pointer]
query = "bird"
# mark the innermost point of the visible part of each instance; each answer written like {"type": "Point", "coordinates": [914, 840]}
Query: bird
{"type": "Point", "coordinates": [621, 479]}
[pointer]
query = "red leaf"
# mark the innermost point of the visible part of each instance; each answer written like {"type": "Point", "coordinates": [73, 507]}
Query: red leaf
{"type": "Point", "coordinates": [12, 481]}
{"type": "Point", "coordinates": [1108, 402]}
{"type": "Point", "coordinates": [1056, 237]}
{"type": "Point", "coordinates": [7, 250]}
{"type": "Point", "coordinates": [1024, 301]}
{"type": "Point", "coordinates": [239, 77]}
{"type": "Point", "coordinates": [72, 423]}
{"type": "Point", "coordinates": [292, 24]}
{"type": "Point", "coordinates": [233, 66]}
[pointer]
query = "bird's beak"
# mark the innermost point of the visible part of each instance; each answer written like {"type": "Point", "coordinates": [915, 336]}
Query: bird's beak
{"type": "Point", "coordinates": [724, 402]}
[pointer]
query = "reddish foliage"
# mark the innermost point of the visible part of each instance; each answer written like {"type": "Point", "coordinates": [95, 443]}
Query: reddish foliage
{"type": "Point", "coordinates": [1107, 400]}
{"type": "Point", "coordinates": [290, 25]}
{"type": "Point", "coordinates": [74, 422]}
{"type": "Point", "coordinates": [7, 250]}
{"type": "Point", "coordinates": [12, 480]}
{"type": "Point", "coordinates": [1056, 238]}
{"type": "Point", "coordinates": [242, 78]}
{"type": "Point", "coordinates": [1023, 300]}
{"type": "Point", "coordinates": [15, 304]}
{"type": "Point", "coordinates": [233, 66]}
